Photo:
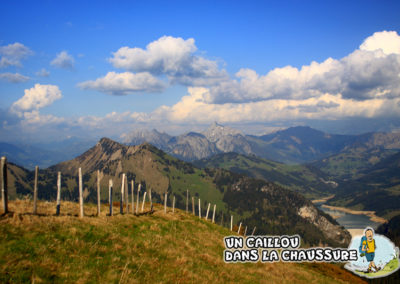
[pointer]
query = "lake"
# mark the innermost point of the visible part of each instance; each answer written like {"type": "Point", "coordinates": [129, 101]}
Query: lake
{"type": "Point", "coordinates": [348, 220]}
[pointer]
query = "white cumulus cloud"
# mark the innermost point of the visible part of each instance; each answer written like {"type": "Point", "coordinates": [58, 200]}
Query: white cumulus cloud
{"type": "Point", "coordinates": [37, 97]}
{"type": "Point", "coordinates": [12, 54]}
{"type": "Point", "coordinates": [171, 56]}
{"type": "Point", "coordinates": [63, 60]}
{"type": "Point", "coordinates": [369, 72]}
{"type": "Point", "coordinates": [386, 41]}
{"type": "Point", "coordinates": [125, 83]}
{"type": "Point", "coordinates": [13, 77]}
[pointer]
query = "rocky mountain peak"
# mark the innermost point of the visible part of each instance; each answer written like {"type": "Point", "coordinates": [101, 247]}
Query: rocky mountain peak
{"type": "Point", "coordinates": [217, 131]}
{"type": "Point", "coordinates": [108, 145]}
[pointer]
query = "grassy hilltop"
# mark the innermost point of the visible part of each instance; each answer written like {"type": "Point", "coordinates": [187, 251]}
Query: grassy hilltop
{"type": "Point", "coordinates": [152, 248]}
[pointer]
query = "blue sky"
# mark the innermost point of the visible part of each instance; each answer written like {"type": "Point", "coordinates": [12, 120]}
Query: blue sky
{"type": "Point", "coordinates": [65, 71]}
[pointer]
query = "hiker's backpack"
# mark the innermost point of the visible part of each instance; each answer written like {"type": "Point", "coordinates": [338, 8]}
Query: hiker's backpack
{"type": "Point", "coordinates": [364, 238]}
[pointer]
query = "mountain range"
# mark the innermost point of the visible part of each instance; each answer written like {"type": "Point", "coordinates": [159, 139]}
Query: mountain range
{"type": "Point", "coordinates": [340, 156]}
{"type": "Point", "coordinates": [295, 145]}
{"type": "Point", "coordinates": [348, 166]}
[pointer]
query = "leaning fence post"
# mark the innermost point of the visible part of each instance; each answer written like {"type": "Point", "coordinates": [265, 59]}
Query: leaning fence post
{"type": "Point", "coordinates": [165, 203]}
{"type": "Point", "coordinates": [133, 196]}
{"type": "Point", "coordinates": [199, 209]}
{"type": "Point", "coordinates": [245, 231]}
{"type": "Point", "coordinates": [208, 209]}
{"type": "Point", "coordinates": [110, 191]}
{"type": "Point", "coordinates": [81, 213]}
{"type": "Point", "coordinates": [254, 230]}
{"type": "Point", "coordinates": [137, 199]}
{"type": "Point", "coordinates": [240, 226]}
{"type": "Point", "coordinates": [4, 185]}
{"type": "Point", "coordinates": [187, 200]}
{"type": "Point", "coordinates": [213, 218]}
{"type": "Point", "coordinates": [231, 222]}
{"type": "Point", "coordinates": [173, 205]}
{"type": "Point", "coordinates": [121, 202]}
{"type": "Point", "coordinates": [35, 189]}
{"type": "Point", "coordinates": [58, 193]}
{"type": "Point", "coordinates": [144, 200]}
{"type": "Point", "coordinates": [98, 192]}
{"type": "Point", "coordinates": [193, 205]}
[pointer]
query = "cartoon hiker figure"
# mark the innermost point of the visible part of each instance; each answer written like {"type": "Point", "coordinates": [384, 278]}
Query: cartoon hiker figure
{"type": "Point", "coordinates": [368, 248]}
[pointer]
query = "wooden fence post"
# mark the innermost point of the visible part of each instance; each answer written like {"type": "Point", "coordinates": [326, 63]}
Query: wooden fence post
{"type": "Point", "coordinates": [98, 192]}
{"type": "Point", "coordinates": [213, 218]}
{"type": "Point", "coordinates": [194, 213]}
{"type": "Point", "coordinates": [144, 200]}
{"type": "Point", "coordinates": [187, 200]}
{"type": "Point", "coordinates": [4, 185]}
{"type": "Point", "coordinates": [122, 197]}
{"type": "Point", "coordinates": [110, 192]}
{"type": "Point", "coordinates": [245, 231]}
{"type": "Point", "coordinates": [173, 205]}
{"type": "Point", "coordinates": [35, 189]}
{"type": "Point", "coordinates": [208, 209]}
{"type": "Point", "coordinates": [240, 226]}
{"type": "Point", "coordinates": [199, 209]}
{"type": "Point", "coordinates": [58, 193]}
{"type": "Point", "coordinates": [133, 196]}
{"type": "Point", "coordinates": [126, 194]}
{"type": "Point", "coordinates": [151, 200]}
{"type": "Point", "coordinates": [138, 197]}
{"type": "Point", "coordinates": [81, 213]}
{"type": "Point", "coordinates": [165, 203]}
{"type": "Point", "coordinates": [254, 230]}
{"type": "Point", "coordinates": [231, 222]}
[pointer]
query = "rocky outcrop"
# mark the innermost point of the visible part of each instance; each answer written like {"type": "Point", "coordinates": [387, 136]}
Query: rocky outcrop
{"type": "Point", "coordinates": [329, 229]}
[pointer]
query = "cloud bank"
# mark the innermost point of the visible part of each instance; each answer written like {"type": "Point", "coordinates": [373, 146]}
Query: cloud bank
{"type": "Point", "coordinates": [369, 72]}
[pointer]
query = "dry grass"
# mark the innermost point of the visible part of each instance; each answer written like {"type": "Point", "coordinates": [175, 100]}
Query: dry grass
{"type": "Point", "coordinates": [151, 248]}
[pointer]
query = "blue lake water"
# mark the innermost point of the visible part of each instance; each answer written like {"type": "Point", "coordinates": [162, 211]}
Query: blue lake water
{"type": "Point", "coordinates": [350, 221]}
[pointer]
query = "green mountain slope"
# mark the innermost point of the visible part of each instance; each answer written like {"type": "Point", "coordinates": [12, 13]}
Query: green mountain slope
{"type": "Point", "coordinates": [378, 189]}
{"type": "Point", "coordinates": [354, 159]}
{"type": "Point", "coordinates": [271, 208]}
{"type": "Point", "coordinates": [309, 181]}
